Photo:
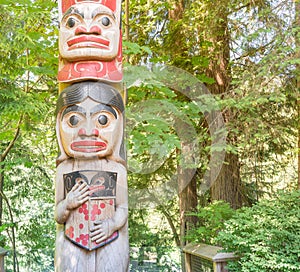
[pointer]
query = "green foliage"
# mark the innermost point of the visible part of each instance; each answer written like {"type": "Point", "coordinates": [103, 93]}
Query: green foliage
{"type": "Point", "coordinates": [261, 100]}
{"type": "Point", "coordinates": [28, 63]}
{"type": "Point", "coordinates": [155, 244]}
{"type": "Point", "coordinates": [211, 220]}
{"type": "Point", "coordinates": [266, 236]}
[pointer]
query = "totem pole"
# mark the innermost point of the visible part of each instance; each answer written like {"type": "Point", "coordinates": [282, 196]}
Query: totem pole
{"type": "Point", "coordinates": [91, 200]}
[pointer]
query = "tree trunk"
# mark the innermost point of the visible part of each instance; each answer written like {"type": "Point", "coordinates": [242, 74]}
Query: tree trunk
{"type": "Point", "coordinates": [187, 201]}
{"type": "Point", "coordinates": [227, 186]}
{"type": "Point", "coordinates": [187, 184]}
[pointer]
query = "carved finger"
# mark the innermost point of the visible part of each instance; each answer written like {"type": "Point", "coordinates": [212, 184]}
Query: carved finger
{"type": "Point", "coordinates": [84, 195]}
{"type": "Point", "coordinates": [97, 235]}
{"type": "Point", "coordinates": [83, 187]}
{"type": "Point", "coordinates": [83, 200]}
{"type": "Point", "coordinates": [75, 187]}
{"type": "Point", "coordinates": [101, 239]}
{"type": "Point", "coordinates": [97, 226]}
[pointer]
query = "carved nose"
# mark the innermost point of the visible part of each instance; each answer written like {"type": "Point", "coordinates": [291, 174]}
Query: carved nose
{"type": "Point", "coordinates": [83, 132]}
{"type": "Point", "coordinates": [94, 30]}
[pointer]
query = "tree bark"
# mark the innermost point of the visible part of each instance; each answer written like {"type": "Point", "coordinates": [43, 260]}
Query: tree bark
{"type": "Point", "coordinates": [187, 184]}
{"type": "Point", "coordinates": [227, 186]}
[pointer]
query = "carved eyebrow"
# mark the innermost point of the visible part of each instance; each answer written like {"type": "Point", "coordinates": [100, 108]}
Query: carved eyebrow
{"type": "Point", "coordinates": [98, 11]}
{"type": "Point", "coordinates": [102, 107]}
{"type": "Point", "coordinates": [73, 108]}
{"type": "Point", "coordinates": [73, 10]}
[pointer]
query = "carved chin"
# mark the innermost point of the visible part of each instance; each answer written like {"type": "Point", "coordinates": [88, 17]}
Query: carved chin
{"type": "Point", "coordinates": [89, 153]}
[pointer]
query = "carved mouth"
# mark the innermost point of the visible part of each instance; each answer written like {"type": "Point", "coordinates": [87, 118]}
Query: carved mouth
{"type": "Point", "coordinates": [96, 188]}
{"type": "Point", "coordinates": [88, 146]}
{"type": "Point", "coordinates": [88, 41]}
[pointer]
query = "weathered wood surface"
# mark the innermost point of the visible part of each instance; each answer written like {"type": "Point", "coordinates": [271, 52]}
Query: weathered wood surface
{"type": "Point", "coordinates": [91, 205]}
{"type": "Point", "coordinates": [91, 184]}
{"type": "Point", "coordinates": [90, 41]}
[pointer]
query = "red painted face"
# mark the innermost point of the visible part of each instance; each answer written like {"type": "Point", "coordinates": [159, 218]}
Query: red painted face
{"type": "Point", "coordinates": [90, 129]}
{"type": "Point", "coordinates": [89, 31]}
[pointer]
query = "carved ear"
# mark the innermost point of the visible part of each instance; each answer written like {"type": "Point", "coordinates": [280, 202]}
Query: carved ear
{"type": "Point", "coordinates": [62, 154]}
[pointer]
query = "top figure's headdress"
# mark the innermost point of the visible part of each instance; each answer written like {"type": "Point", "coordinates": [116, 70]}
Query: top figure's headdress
{"type": "Point", "coordinates": [113, 5]}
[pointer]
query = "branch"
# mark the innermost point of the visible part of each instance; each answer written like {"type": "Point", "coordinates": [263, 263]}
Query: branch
{"type": "Point", "coordinates": [169, 218]}
{"type": "Point", "coordinates": [12, 142]}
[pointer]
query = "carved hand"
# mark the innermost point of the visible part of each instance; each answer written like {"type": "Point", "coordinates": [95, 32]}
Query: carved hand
{"type": "Point", "coordinates": [101, 231]}
{"type": "Point", "coordinates": [77, 196]}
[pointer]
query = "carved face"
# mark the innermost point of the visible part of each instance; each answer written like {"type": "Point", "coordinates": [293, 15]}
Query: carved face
{"type": "Point", "coordinates": [90, 129]}
{"type": "Point", "coordinates": [89, 32]}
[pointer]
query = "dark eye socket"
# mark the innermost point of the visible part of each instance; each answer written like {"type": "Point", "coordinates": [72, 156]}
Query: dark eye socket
{"type": "Point", "coordinates": [71, 22]}
{"type": "Point", "coordinates": [73, 120]}
{"type": "Point", "coordinates": [105, 21]}
{"type": "Point", "coordinates": [102, 119]}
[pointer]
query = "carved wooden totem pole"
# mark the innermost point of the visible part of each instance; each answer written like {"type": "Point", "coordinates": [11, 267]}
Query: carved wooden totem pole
{"type": "Point", "coordinates": [91, 205]}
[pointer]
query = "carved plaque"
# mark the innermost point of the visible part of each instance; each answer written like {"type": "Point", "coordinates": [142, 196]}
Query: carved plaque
{"type": "Point", "coordinates": [100, 206]}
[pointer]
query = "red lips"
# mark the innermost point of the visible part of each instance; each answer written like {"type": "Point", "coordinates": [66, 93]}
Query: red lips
{"type": "Point", "coordinates": [88, 146]}
{"type": "Point", "coordinates": [96, 188]}
{"type": "Point", "coordinates": [88, 41]}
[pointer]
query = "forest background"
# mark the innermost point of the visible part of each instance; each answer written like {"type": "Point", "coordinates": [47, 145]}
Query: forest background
{"type": "Point", "coordinates": [246, 54]}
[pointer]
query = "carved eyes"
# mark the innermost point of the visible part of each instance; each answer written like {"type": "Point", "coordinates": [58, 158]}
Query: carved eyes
{"type": "Point", "coordinates": [73, 120]}
{"type": "Point", "coordinates": [102, 120]}
{"type": "Point", "coordinates": [73, 21]}
{"type": "Point", "coordinates": [105, 21]}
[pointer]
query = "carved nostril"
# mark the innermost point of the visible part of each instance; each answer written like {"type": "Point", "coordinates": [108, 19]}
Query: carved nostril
{"type": "Point", "coordinates": [81, 30]}
{"type": "Point", "coordinates": [96, 30]}
{"type": "Point", "coordinates": [95, 132]}
{"type": "Point", "coordinates": [82, 132]}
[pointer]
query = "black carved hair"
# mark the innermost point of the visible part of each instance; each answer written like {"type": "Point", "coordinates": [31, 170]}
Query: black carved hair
{"type": "Point", "coordinates": [98, 91]}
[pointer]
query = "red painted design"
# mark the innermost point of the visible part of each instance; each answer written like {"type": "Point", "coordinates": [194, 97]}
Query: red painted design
{"type": "Point", "coordinates": [110, 71]}
{"type": "Point", "coordinates": [88, 41]}
{"type": "Point", "coordinates": [70, 232]}
{"type": "Point", "coordinates": [76, 71]}
{"type": "Point", "coordinates": [98, 208]}
{"type": "Point", "coordinates": [66, 4]}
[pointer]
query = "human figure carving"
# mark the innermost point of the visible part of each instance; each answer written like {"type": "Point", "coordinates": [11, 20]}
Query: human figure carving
{"type": "Point", "coordinates": [91, 205]}
{"type": "Point", "coordinates": [90, 41]}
